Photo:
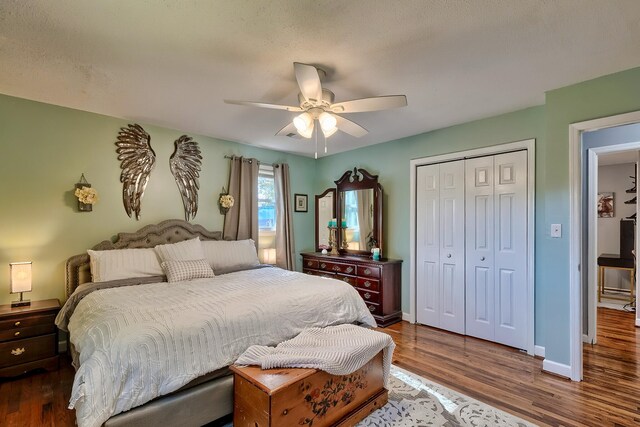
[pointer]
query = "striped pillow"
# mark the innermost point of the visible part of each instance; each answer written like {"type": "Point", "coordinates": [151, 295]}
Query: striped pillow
{"type": "Point", "coordinates": [177, 271]}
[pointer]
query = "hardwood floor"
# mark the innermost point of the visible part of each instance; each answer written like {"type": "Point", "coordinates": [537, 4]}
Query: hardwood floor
{"type": "Point", "coordinates": [497, 375]}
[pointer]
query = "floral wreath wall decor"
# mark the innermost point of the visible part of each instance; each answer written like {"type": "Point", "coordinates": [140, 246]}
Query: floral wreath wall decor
{"type": "Point", "coordinates": [225, 202]}
{"type": "Point", "coordinates": [86, 195]}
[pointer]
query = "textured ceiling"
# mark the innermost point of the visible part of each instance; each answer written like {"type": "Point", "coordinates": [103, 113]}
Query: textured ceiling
{"type": "Point", "coordinates": [171, 63]}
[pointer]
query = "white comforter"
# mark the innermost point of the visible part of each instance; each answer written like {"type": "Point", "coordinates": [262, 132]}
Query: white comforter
{"type": "Point", "coordinates": [140, 342]}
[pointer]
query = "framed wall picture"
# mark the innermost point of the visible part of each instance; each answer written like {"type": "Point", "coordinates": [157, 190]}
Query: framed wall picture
{"type": "Point", "coordinates": [301, 202]}
{"type": "Point", "coordinates": [605, 205]}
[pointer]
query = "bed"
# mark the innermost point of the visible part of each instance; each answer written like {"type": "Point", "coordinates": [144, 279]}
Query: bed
{"type": "Point", "coordinates": [157, 353]}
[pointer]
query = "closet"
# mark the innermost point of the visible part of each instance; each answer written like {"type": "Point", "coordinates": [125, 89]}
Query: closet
{"type": "Point", "coordinates": [471, 247]}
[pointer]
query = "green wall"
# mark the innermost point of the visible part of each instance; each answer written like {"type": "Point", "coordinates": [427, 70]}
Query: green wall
{"type": "Point", "coordinates": [45, 148]}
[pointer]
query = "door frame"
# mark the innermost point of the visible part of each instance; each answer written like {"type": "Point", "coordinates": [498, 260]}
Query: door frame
{"type": "Point", "coordinates": [576, 242]}
{"type": "Point", "coordinates": [529, 146]}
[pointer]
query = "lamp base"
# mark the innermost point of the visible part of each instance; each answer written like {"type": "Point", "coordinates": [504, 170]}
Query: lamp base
{"type": "Point", "coordinates": [21, 303]}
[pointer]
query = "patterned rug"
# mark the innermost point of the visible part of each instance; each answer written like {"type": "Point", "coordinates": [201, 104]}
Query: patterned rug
{"type": "Point", "coordinates": [415, 401]}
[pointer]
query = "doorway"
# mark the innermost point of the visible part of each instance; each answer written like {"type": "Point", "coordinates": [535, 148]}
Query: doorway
{"type": "Point", "coordinates": [581, 253]}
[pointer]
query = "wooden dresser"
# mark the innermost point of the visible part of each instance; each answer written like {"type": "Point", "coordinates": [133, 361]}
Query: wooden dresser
{"type": "Point", "coordinates": [378, 282]}
{"type": "Point", "coordinates": [28, 337]}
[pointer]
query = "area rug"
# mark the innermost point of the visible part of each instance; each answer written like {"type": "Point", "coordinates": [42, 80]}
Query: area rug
{"type": "Point", "coordinates": [415, 401]}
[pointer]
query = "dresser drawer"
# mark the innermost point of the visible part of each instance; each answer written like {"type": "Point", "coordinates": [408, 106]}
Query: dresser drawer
{"type": "Point", "coordinates": [24, 322]}
{"type": "Point", "coordinates": [369, 296]}
{"type": "Point", "coordinates": [32, 331]}
{"type": "Point", "coordinates": [368, 271]}
{"type": "Point", "coordinates": [319, 273]}
{"type": "Point", "coordinates": [374, 308]}
{"type": "Point", "coordinates": [311, 263]}
{"type": "Point", "coordinates": [335, 267]}
{"type": "Point", "coordinates": [346, 279]}
{"type": "Point", "coordinates": [368, 284]}
{"type": "Point", "coordinates": [27, 350]}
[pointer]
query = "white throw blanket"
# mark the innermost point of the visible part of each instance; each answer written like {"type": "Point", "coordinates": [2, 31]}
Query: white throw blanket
{"type": "Point", "coordinates": [338, 350]}
{"type": "Point", "coordinates": [140, 342]}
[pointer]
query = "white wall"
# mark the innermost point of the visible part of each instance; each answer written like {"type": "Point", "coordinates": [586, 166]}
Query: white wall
{"type": "Point", "coordinates": [615, 178]}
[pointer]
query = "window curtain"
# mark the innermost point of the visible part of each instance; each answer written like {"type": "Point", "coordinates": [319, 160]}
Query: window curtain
{"type": "Point", "coordinates": [241, 221]}
{"type": "Point", "coordinates": [284, 221]}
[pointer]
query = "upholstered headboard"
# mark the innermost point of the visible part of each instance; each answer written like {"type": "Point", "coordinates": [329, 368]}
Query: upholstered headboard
{"type": "Point", "coordinates": [169, 231]}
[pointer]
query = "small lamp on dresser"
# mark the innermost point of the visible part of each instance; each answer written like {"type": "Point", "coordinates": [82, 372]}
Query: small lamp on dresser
{"type": "Point", "coordinates": [20, 273]}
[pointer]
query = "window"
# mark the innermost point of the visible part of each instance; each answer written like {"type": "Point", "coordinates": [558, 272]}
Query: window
{"type": "Point", "coordinates": [266, 215]}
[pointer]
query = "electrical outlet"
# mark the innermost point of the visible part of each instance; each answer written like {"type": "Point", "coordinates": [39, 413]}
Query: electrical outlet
{"type": "Point", "coordinates": [556, 230]}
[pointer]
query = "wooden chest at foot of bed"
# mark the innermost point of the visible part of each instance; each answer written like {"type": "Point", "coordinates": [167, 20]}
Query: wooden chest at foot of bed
{"type": "Point", "coordinates": [306, 397]}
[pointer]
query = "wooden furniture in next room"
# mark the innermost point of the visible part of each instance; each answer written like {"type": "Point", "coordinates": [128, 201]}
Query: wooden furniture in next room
{"type": "Point", "coordinates": [623, 261]}
{"type": "Point", "coordinates": [377, 282]}
{"type": "Point", "coordinates": [298, 397]}
{"type": "Point", "coordinates": [28, 337]}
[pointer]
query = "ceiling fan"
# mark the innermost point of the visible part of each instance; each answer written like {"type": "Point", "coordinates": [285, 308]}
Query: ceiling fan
{"type": "Point", "coordinates": [318, 109]}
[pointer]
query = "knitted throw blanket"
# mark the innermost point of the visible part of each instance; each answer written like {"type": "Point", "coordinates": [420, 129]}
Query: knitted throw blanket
{"type": "Point", "coordinates": [338, 350]}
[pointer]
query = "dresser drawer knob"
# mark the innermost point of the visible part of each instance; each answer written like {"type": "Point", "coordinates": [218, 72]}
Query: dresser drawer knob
{"type": "Point", "coordinates": [16, 324]}
{"type": "Point", "coordinates": [309, 263]}
{"type": "Point", "coordinates": [349, 270]}
{"type": "Point", "coordinates": [336, 268]}
{"type": "Point", "coordinates": [17, 351]}
{"type": "Point", "coordinates": [367, 272]}
{"type": "Point", "coordinates": [323, 265]}
{"type": "Point", "coordinates": [372, 308]}
{"type": "Point", "coordinates": [367, 284]}
{"type": "Point", "coordinates": [16, 334]}
{"type": "Point", "coordinates": [345, 279]}
{"type": "Point", "coordinates": [367, 295]}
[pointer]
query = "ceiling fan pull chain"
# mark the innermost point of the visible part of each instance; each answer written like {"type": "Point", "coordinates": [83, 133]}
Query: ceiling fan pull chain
{"type": "Point", "coordinates": [315, 128]}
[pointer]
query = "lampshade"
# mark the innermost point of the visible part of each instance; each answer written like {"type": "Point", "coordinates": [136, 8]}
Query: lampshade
{"type": "Point", "coordinates": [327, 122]}
{"type": "Point", "coordinates": [328, 133]}
{"type": "Point", "coordinates": [20, 277]}
{"type": "Point", "coordinates": [303, 122]}
{"type": "Point", "coordinates": [307, 133]}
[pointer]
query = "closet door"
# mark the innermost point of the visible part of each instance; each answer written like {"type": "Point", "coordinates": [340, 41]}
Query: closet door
{"type": "Point", "coordinates": [440, 246]}
{"type": "Point", "coordinates": [510, 294]}
{"type": "Point", "coordinates": [452, 254]}
{"type": "Point", "coordinates": [428, 245]}
{"type": "Point", "coordinates": [480, 247]}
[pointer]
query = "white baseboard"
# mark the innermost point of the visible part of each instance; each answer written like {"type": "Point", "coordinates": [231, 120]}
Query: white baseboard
{"type": "Point", "coordinates": [538, 350]}
{"type": "Point", "coordinates": [637, 322]}
{"type": "Point", "coordinates": [406, 317]}
{"type": "Point", "coordinates": [62, 346]}
{"type": "Point", "coordinates": [556, 368]}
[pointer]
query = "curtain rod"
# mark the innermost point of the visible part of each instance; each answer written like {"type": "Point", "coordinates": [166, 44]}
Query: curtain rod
{"type": "Point", "coordinates": [250, 161]}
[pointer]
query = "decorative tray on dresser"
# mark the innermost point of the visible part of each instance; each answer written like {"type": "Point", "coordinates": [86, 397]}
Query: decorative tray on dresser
{"type": "Point", "coordinates": [378, 282]}
{"type": "Point", "coordinates": [28, 337]}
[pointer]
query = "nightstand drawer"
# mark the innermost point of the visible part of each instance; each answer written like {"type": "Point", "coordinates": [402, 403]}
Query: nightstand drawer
{"type": "Point", "coordinates": [19, 333]}
{"type": "Point", "coordinates": [24, 321]}
{"type": "Point", "coordinates": [27, 350]}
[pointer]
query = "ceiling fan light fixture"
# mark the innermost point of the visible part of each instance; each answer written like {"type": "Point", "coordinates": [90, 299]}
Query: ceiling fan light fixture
{"type": "Point", "coordinates": [327, 122]}
{"type": "Point", "coordinates": [303, 123]}
{"type": "Point", "coordinates": [328, 133]}
{"type": "Point", "coordinates": [306, 133]}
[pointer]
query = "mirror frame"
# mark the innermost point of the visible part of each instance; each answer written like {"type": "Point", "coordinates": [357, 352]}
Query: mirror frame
{"type": "Point", "coordinates": [333, 211]}
{"type": "Point", "coordinates": [360, 179]}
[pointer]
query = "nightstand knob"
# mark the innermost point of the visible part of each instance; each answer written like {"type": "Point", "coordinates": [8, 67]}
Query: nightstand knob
{"type": "Point", "coordinates": [16, 324]}
{"type": "Point", "coordinates": [17, 351]}
{"type": "Point", "coordinates": [16, 334]}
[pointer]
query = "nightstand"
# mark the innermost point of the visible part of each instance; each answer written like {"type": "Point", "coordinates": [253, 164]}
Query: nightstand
{"type": "Point", "coordinates": [28, 337]}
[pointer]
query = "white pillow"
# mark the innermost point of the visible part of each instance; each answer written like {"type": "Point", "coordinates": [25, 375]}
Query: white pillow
{"type": "Point", "coordinates": [227, 256]}
{"type": "Point", "coordinates": [123, 264]}
{"type": "Point", "coordinates": [181, 251]}
{"type": "Point", "coordinates": [177, 271]}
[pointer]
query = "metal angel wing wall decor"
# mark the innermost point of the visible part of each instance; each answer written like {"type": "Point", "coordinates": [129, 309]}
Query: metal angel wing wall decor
{"type": "Point", "coordinates": [137, 161]}
{"type": "Point", "coordinates": [185, 166]}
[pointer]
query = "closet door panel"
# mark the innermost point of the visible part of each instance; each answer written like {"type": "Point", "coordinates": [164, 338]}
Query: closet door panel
{"type": "Point", "coordinates": [452, 254]}
{"type": "Point", "coordinates": [479, 224]}
{"type": "Point", "coordinates": [511, 297]}
{"type": "Point", "coordinates": [428, 245]}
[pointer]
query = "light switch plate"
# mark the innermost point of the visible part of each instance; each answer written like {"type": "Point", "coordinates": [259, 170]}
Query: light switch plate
{"type": "Point", "coordinates": [556, 230]}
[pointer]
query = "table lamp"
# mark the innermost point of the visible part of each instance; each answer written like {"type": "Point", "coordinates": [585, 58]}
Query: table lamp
{"type": "Point", "coordinates": [20, 273]}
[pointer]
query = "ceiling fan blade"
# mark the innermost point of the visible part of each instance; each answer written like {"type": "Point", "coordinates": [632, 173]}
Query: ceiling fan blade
{"type": "Point", "coordinates": [289, 130]}
{"type": "Point", "coordinates": [370, 104]}
{"type": "Point", "coordinates": [309, 81]}
{"type": "Point", "coordinates": [352, 128]}
{"type": "Point", "coordinates": [263, 105]}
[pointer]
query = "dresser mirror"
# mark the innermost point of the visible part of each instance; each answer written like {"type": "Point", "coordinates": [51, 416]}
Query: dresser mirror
{"type": "Point", "coordinates": [360, 210]}
{"type": "Point", "coordinates": [325, 212]}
